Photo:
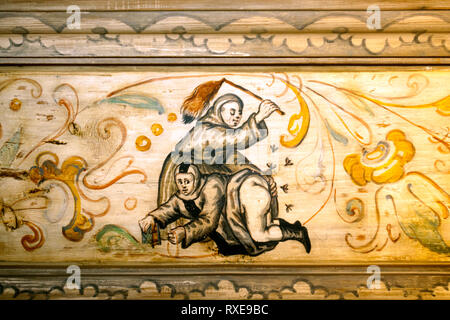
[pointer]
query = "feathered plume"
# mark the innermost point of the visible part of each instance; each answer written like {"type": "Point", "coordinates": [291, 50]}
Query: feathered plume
{"type": "Point", "coordinates": [199, 99]}
{"type": "Point", "coordinates": [201, 96]}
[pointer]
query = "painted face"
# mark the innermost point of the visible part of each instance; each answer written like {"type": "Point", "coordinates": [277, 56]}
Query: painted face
{"type": "Point", "coordinates": [185, 183]}
{"type": "Point", "coordinates": [9, 219]}
{"type": "Point", "coordinates": [231, 114]}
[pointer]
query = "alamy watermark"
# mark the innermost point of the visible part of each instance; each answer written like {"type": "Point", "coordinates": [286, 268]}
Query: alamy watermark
{"type": "Point", "coordinates": [73, 282]}
{"type": "Point", "coordinates": [204, 146]}
{"type": "Point", "coordinates": [373, 21]}
{"type": "Point", "coordinates": [373, 282]}
{"type": "Point", "coordinates": [74, 20]}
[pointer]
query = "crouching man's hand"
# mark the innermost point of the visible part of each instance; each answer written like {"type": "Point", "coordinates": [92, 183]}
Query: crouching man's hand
{"type": "Point", "coordinates": [177, 235]}
{"type": "Point", "coordinates": [272, 185]}
{"type": "Point", "coordinates": [147, 223]}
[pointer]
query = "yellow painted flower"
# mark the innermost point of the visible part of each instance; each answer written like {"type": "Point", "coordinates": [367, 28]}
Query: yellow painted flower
{"type": "Point", "coordinates": [382, 165]}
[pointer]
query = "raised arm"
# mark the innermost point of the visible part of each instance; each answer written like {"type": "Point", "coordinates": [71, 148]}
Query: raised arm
{"type": "Point", "coordinates": [254, 129]}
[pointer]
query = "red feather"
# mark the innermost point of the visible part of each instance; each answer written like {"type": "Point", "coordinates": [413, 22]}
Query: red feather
{"type": "Point", "coordinates": [199, 99]}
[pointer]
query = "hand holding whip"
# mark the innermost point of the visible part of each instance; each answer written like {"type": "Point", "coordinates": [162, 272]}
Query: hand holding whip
{"type": "Point", "coordinates": [202, 95]}
{"type": "Point", "coordinates": [266, 108]}
{"type": "Point", "coordinates": [278, 110]}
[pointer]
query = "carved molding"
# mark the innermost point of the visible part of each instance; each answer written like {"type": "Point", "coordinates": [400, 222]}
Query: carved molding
{"type": "Point", "coordinates": [344, 283]}
{"type": "Point", "coordinates": [235, 34]}
{"type": "Point", "coordinates": [188, 5]}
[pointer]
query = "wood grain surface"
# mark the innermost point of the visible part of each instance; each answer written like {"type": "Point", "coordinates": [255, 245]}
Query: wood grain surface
{"type": "Point", "coordinates": [360, 158]}
{"type": "Point", "coordinates": [337, 177]}
{"type": "Point", "coordinates": [204, 5]}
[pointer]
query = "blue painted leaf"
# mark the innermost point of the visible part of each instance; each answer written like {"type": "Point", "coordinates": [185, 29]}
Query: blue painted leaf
{"type": "Point", "coordinates": [424, 227]}
{"type": "Point", "coordinates": [110, 234]}
{"type": "Point", "coordinates": [9, 149]}
{"type": "Point", "coordinates": [360, 104]}
{"type": "Point", "coordinates": [336, 135]}
{"type": "Point", "coordinates": [136, 101]}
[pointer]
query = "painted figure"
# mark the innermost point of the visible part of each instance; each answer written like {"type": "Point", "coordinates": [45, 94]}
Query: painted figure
{"type": "Point", "coordinates": [233, 210]}
{"type": "Point", "coordinates": [9, 218]}
{"type": "Point", "coordinates": [213, 143]}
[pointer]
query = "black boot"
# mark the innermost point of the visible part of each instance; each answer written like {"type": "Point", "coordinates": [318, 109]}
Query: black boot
{"type": "Point", "coordinates": [295, 232]}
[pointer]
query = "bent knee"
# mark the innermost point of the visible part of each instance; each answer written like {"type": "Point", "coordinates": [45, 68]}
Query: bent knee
{"type": "Point", "coordinates": [259, 236]}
